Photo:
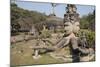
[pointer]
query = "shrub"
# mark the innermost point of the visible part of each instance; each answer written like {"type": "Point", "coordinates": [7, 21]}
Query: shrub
{"type": "Point", "coordinates": [90, 36]}
{"type": "Point", "coordinates": [45, 34]}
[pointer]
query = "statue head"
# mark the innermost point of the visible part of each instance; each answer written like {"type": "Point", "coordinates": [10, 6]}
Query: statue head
{"type": "Point", "coordinates": [71, 23]}
{"type": "Point", "coordinates": [71, 27]}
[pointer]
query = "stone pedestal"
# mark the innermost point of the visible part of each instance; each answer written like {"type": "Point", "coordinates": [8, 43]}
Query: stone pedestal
{"type": "Point", "coordinates": [36, 55]}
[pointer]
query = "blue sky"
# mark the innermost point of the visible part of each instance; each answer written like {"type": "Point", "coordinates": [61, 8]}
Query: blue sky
{"type": "Point", "coordinates": [59, 9]}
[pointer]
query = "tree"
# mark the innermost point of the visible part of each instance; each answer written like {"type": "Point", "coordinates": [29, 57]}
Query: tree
{"type": "Point", "coordinates": [20, 17]}
{"type": "Point", "coordinates": [88, 21]}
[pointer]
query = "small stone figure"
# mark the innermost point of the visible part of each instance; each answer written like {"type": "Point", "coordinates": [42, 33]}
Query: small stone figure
{"type": "Point", "coordinates": [66, 18]}
{"type": "Point", "coordinates": [71, 8]}
{"type": "Point", "coordinates": [84, 43]}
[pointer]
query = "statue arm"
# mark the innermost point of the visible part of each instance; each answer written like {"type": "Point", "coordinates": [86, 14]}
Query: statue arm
{"type": "Point", "coordinates": [67, 41]}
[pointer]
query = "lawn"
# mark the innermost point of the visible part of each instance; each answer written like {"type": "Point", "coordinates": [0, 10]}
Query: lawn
{"type": "Point", "coordinates": [21, 54]}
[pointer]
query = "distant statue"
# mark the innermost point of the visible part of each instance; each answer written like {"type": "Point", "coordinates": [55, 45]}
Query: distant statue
{"type": "Point", "coordinates": [53, 8]}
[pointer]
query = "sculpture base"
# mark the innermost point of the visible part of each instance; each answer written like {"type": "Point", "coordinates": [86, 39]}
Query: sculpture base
{"type": "Point", "coordinates": [37, 57]}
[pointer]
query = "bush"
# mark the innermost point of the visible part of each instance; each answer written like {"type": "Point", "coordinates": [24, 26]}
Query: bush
{"type": "Point", "coordinates": [45, 34]}
{"type": "Point", "coordinates": [60, 30]}
{"type": "Point", "coordinates": [90, 36]}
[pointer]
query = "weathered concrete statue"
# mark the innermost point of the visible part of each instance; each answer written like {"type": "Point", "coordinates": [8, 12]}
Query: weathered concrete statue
{"type": "Point", "coordinates": [71, 27]}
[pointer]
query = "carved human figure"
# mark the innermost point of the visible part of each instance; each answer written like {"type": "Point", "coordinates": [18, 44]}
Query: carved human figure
{"type": "Point", "coordinates": [71, 8]}
{"type": "Point", "coordinates": [71, 27]}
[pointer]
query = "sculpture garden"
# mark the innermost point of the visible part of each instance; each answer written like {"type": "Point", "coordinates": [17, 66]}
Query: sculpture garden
{"type": "Point", "coordinates": [64, 42]}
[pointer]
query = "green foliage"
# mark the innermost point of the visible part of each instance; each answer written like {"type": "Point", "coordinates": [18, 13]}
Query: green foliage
{"type": "Point", "coordinates": [45, 34]}
{"type": "Point", "coordinates": [88, 21]}
{"type": "Point", "coordinates": [90, 36]}
{"type": "Point", "coordinates": [19, 15]}
{"type": "Point", "coordinates": [59, 30]}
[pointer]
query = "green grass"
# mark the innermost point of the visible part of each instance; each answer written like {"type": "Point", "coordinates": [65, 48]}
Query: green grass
{"type": "Point", "coordinates": [20, 59]}
{"type": "Point", "coordinates": [25, 58]}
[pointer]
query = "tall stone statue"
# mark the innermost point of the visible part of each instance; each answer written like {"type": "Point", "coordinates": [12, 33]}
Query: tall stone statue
{"type": "Point", "coordinates": [72, 27]}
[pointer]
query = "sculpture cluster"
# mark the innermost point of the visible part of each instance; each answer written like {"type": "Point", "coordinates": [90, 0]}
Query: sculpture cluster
{"type": "Point", "coordinates": [71, 27]}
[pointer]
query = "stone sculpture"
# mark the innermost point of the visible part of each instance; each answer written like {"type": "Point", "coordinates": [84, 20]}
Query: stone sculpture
{"type": "Point", "coordinates": [71, 27]}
